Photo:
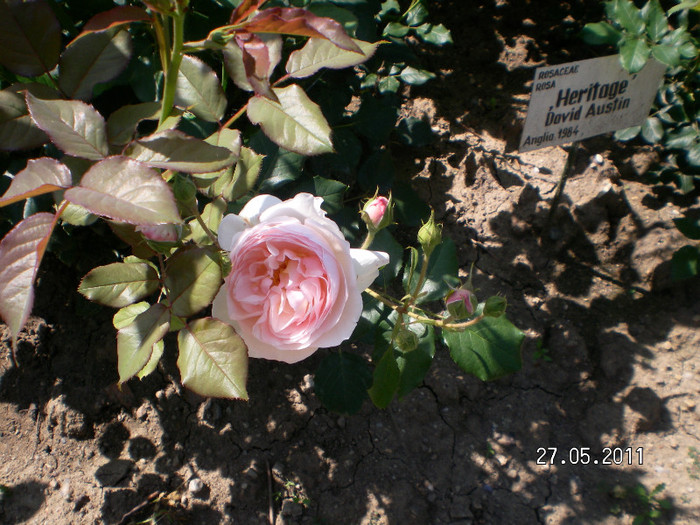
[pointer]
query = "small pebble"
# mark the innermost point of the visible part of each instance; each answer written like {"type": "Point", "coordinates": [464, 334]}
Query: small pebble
{"type": "Point", "coordinates": [142, 412]}
{"type": "Point", "coordinates": [501, 460]}
{"type": "Point", "coordinates": [598, 158]}
{"type": "Point", "coordinates": [65, 491]}
{"type": "Point", "coordinates": [195, 485]}
{"type": "Point", "coordinates": [54, 484]}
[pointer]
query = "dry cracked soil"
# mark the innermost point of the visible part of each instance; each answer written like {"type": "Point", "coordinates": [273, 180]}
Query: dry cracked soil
{"type": "Point", "coordinates": [610, 362]}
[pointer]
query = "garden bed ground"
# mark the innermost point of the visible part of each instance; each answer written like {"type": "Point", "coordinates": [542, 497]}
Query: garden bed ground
{"type": "Point", "coordinates": [611, 358]}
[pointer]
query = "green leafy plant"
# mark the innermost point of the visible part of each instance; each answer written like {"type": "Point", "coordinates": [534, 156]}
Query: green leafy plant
{"type": "Point", "coordinates": [136, 123]}
{"type": "Point", "coordinates": [671, 37]}
{"type": "Point", "coordinates": [644, 504]}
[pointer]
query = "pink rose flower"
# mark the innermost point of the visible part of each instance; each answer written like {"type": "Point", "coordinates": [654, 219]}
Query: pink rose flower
{"type": "Point", "coordinates": [295, 284]}
{"type": "Point", "coordinates": [376, 208]}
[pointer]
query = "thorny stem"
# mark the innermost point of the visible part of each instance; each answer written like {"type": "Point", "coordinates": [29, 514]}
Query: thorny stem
{"type": "Point", "coordinates": [173, 67]}
{"type": "Point", "coordinates": [421, 278]}
{"type": "Point", "coordinates": [440, 323]}
{"type": "Point", "coordinates": [236, 116]}
{"type": "Point", "coordinates": [163, 41]}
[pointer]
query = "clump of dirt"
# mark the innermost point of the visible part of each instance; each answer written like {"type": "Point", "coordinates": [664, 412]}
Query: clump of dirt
{"type": "Point", "coordinates": [610, 361]}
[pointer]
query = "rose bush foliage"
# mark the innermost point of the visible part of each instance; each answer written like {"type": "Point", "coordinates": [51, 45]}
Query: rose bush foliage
{"type": "Point", "coordinates": [125, 131]}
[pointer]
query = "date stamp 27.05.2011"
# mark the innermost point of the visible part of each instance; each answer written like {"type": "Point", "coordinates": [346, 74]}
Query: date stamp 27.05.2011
{"type": "Point", "coordinates": [584, 456]}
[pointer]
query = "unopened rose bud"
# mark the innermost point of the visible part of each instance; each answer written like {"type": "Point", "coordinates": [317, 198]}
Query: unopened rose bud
{"type": "Point", "coordinates": [406, 340]}
{"type": "Point", "coordinates": [495, 306]}
{"type": "Point", "coordinates": [460, 303]}
{"type": "Point", "coordinates": [378, 213]}
{"type": "Point", "coordinates": [430, 235]}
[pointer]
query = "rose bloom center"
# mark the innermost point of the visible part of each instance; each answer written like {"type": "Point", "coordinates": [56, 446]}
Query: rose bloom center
{"type": "Point", "coordinates": [285, 282]}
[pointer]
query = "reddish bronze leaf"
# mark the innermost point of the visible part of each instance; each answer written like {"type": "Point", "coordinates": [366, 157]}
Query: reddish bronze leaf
{"type": "Point", "coordinates": [300, 22]}
{"type": "Point", "coordinates": [20, 254]}
{"type": "Point", "coordinates": [244, 10]}
{"type": "Point", "coordinates": [41, 176]}
{"type": "Point", "coordinates": [256, 61]}
{"type": "Point", "coordinates": [114, 17]}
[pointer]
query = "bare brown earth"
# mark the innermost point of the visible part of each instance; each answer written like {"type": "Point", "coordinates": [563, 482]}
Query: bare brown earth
{"type": "Point", "coordinates": [611, 357]}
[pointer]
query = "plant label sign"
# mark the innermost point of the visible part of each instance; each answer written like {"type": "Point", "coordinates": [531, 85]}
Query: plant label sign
{"type": "Point", "coordinates": [577, 100]}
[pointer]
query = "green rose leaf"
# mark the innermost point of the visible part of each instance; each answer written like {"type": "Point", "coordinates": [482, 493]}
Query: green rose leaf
{"type": "Point", "coordinates": [233, 183]}
{"type": "Point", "coordinates": [193, 277]}
{"type": "Point", "coordinates": [634, 53]}
{"type": "Point", "coordinates": [626, 14]}
{"type": "Point", "coordinates": [213, 359]}
{"type": "Point", "coordinates": [600, 33]}
{"type": "Point", "coordinates": [385, 242]}
{"type": "Point", "coordinates": [279, 166]}
{"type": "Point", "coordinates": [627, 133]}
{"type": "Point", "coordinates": [657, 23]}
{"type": "Point", "coordinates": [21, 251]}
{"type": "Point", "coordinates": [136, 341]}
{"type": "Point", "coordinates": [30, 37]}
{"type": "Point", "coordinates": [396, 30]}
{"type": "Point", "coordinates": [227, 138]}
{"type": "Point", "coordinates": [666, 54]}
{"type": "Point", "coordinates": [682, 138]}
{"type": "Point", "coordinates": [437, 35]}
{"type": "Point", "coordinates": [198, 90]}
{"type": "Point", "coordinates": [42, 175]}
{"type": "Point", "coordinates": [92, 59]}
{"type": "Point", "coordinates": [125, 190]}
{"type": "Point", "coordinates": [157, 353]}
{"type": "Point", "coordinates": [488, 350]}
{"type": "Point", "coordinates": [685, 263]}
{"type": "Point", "coordinates": [119, 284]}
{"type": "Point", "coordinates": [416, 363]}
{"type": "Point", "coordinates": [173, 150]}
{"type": "Point", "coordinates": [331, 190]}
{"type": "Point", "coordinates": [122, 123]}
{"type": "Point", "coordinates": [689, 226]}
{"type": "Point", "coordinates": [77, 215]}
{"type": "Point", "coordinates": [319, 53]}
{"type": "Point", "coordinates": [342, 380]}
{"type": "Point", "coordinates": [125, 316]}
{"type": "Point", "coordinates": [73, 126]}
{"type": "Point", "coordinates": [17, 129]}
{"type": "Point", "coordinates": [295, 123]}
{"type": "Point", "coordinates": [415, 77]}
{"type": "Point", "coordinates": [442, 269]}
{"type": "Point", "coordinates": [652, 130]}
{"type": "Point", "coordinates": [386, 380]}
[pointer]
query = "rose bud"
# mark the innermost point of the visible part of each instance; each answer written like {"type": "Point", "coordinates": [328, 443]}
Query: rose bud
{"type": "Point", "coordinates": [378, 213]}
{"type": "Point", "coordinates": [460, 303]}
{"type": "Point", "coordinates": [430, 235]}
